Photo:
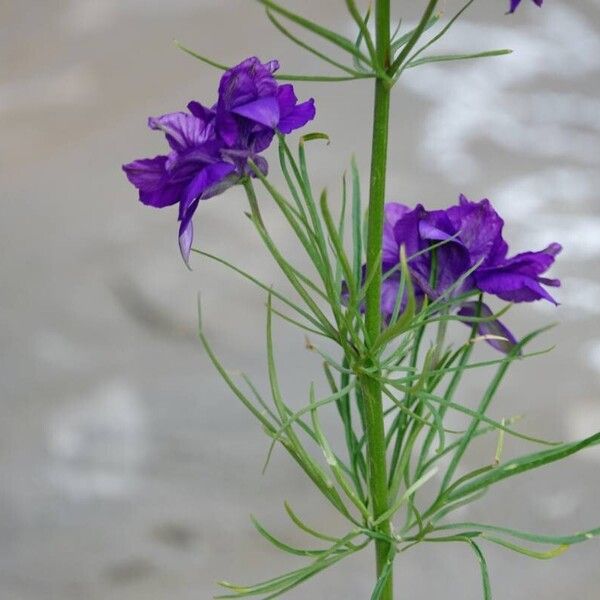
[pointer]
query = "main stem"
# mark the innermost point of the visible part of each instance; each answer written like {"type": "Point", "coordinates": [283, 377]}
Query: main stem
{"type": "Point", "coordinates": [375, 430]}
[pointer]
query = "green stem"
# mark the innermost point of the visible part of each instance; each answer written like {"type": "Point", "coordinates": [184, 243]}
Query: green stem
{"type": "Point", "coordinates": [252, 199]}
{"type": "Point", "coordinates": [373, 404]}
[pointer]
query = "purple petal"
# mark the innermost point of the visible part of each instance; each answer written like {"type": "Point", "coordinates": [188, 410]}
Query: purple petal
{"type": "Point", "coordinates": [480, 229]}
{"type": "Point", "coordinates": [390, 249]}
{"type": "Point", "coordinates": [512, 287]}
{"type": "Point", "coordinates": [406, 231]}
{"type": "Point", "coordinates": [514, 5]}
{"type": "Point", "coordinates": [453, 259]}
{"type": "Point", "coordinates": [228, 128]}
{"type": "Point", "coordinates": [518, 279]}
{"type": "Point", "coordinates": [553, 249]}
{"type": "Point", "coordinates": [452, 263]}
{"type": "Point", "coordinates": [262, 164]}
{"type": "Point", "coordinates": [166, 196]}
{"type": "Point", "coordinates": [201, 112]}
{"type": "Point", "coordinates": [209, 182]}
{"type": "Point", "coordinates": [262, 139]}
{"type": "Point", "coordinates": [293, 115]}
{"type": "Point", "coordinates": [300, 116]}
{"type": "Point", "coordinates": [147, 173]}
{"type": "Point", "coordinates": [246, 82]}
{"type": "Point", "coordinates": [183, 131]}
{"type": "Point", "coordinates": [430, 231]}
{"type": "Point", "coordinates": [389, 295]}
{"type": "Point", "coordinates": [286, 98]}
{"type": "Point", "coordinates": [150, 177]}
{"type": "Point", "coordinates": [263, 110]}
{"type": "Point", "coordinates": [502, 339]}
{"type": "Point", "coordinates": [186, 237]}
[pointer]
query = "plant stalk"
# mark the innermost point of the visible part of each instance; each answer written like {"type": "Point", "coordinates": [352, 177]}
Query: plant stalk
{"type": "Point", "coordinates": [373, 404]}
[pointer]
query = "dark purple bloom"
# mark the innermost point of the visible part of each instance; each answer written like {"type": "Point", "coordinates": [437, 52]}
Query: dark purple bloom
{"type": "Point", "coordinates": [193, 170]}
{"type": "Point", "coordinates": [471, 254]}
{"type": "Point", "coordinates": [210, 147]}
{"type": "Point", "coordinates": [514, 4]}
{"type": "Point", "coordinates": [250, 108]}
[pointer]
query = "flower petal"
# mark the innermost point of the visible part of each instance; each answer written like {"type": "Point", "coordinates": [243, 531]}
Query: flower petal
{"type": "Point", "coordinates": [147, 173]}
{"type": "Point", "coordinates": [293, 115]}
{"type": "Point", "coordinates": [512, 287]}
{"type": "Point", "coordinates": [514, 5]}
{"type": "Point", "coordinates": [150, 177]}
{"type": "Point", "coordinates": [389, 295]}
{"type": "Point", "coordinates": [300, 116]}
{"type": "Point", "coordinates": [209, 182]}
{"type": "Point", "coordinates": [394, 211]}
{"type": "Point", "coordinates": [246, 82]}
{"type": "Point", "coordinates": [183, 131]}
{"type": "Point", "coordinates": [201, 112]}
{"type": "Point", "coordinates": [480, 230]}
{"type": "Point", "coordinates": [263, 110]}
{"type": "Point", "coordinates": [406, 231]}
{"type": "Point", "coordinates": [518, 279]}
{"type": "Point", "coordinates": [495, 333]}
{"type": "Point", "coordinates": [186, 237]}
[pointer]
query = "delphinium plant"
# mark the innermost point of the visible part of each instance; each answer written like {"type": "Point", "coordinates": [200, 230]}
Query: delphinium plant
{"type": "Point", "coordinates": [388, 282]}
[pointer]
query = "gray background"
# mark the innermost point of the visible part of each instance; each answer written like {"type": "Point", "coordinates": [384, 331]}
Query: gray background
{"type": "Point", "coordinates": [127, 470]}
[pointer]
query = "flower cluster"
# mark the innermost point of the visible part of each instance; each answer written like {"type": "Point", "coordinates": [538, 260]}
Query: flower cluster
{"type": "Point", "coordinates": [514, 4]}
{"type": "Point", "coordinates": [210, 147]}
{"type": "Point", "coordinates": [469, 254]}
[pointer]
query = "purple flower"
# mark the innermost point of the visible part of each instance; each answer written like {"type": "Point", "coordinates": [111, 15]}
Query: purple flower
{"type": "Point", "coordinates": [514, 4]}
{"type": "Point", "coordinates": [471, 254]}
{"type": "Point", "coordinates": [193, 170]}
{"type": "Point", "coordinates": [250, 108]}
{"type": "Point", "coordinates": [210, 147]}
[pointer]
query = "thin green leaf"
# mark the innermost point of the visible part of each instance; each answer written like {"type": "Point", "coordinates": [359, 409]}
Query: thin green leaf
{"type": "Point", "coordinates": [483, 406]}
{"type": "Point", "coordinates": [485, 578]}
{"type": "Point", "coordinates": [450, 447]}
{"type": "Point", "coordinates": [567, 540]}
{"type": "Point", "coordinates": [200, 57]}
{"type": "Point", "coordinates": [479, 416]}
{"type": "Point", "coordinates": [443, 32]}
{"type": "Point", "coordinates": [320, 78]}
{"type": "Point", "coordinates": [311, 531]}
{"type": "Point", "coordinates": [407, 494]}
{"type": "Point", "coordinates": [294, 416]}
{"type": "Point", "coordinates": [227, 378]}
{"type": "Point", "coordinates": [337, 245]}
{"type": "Point", "coordinates": [319, 30]}
{"type": "Point", "coordinates": [414, 38]}
{"type": "Point", "coordinates": [359, 38]}
{"type": "Point", "coordinates": [405, 38]}
{"type": "Point", "coordinates": [308, 47]}
{"type": "Point", "coordinates": [282, 545]}
{"type": "Point", "coordinates": [265, 287]}
{"type": "Point", "coordinates": [279, 585]}
{"type": "Point", "coordinates": [546, 555]}
{"type": "Point", "coordinates": [454, 57]}
{"type": "Point", "coordinates": [309, 465]}
{"type": "Point", "coordinates": [356, 222]}
{"type": "Point", "coordinates": [298, 324]}
{"type": "Point", "coordinates": [440, 512]}
{"type": "Point", "coordinates": [362, 26]}
{"type": "Point", "coordinates": [523, 464]}
{"type": "Point", "coordinates": [332, 460]}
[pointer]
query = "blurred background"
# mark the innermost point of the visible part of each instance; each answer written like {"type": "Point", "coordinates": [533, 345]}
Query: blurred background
{"type": "Point", "coordinates": [127, 469]}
